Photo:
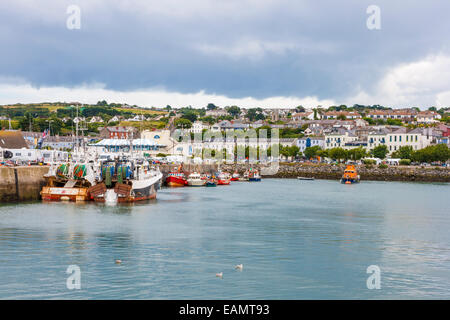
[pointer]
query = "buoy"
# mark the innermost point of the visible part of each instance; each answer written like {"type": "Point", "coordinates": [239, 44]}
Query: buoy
{"type": "Point", "coordinates": [219, 275]}
{"type": "Point", "coordinates": [118, 261]}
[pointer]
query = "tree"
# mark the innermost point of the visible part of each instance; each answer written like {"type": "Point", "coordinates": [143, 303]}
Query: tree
{"type": "Point", "coordinates": [211, 106]}
{"type": "Point", "coordinates": [357, 153]}
{"type": "Point", "coordinates": [254, 114]}
{"type": "Point", "coordinates": [182, 123]}
{"type": "Point", "coordinates": [403, 153]}
{"type": "Point", "coordinates": [380, 151]}
{"type": "Point", "coordinates": [342, 117]}
{"type": "Point", "coordinates": [234, 111]}
{"type": "Point", "coordinates": [429, 154]}
{"type": "Point", "coordinates": [189, 115]}
{"type": "Point", "coordinates": [338, 154]}
{"type": "Point", "coordinates": [312, 152]}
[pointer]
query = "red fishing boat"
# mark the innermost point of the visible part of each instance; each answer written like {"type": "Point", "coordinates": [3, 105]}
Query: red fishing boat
{"type": "Point", "coordinates": [223, 179]}
{"type": "Point", "coordinates": [176, 178]}
{"type": "Point", "coordinates": [235, 176]}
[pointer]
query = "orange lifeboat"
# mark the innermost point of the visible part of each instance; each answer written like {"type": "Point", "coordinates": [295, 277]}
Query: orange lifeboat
{"type": "Point", "coordinates": [350, 175]}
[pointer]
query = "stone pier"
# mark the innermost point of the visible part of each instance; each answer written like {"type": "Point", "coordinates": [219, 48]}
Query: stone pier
{"type": "Point", "coordinates": [21, 183]}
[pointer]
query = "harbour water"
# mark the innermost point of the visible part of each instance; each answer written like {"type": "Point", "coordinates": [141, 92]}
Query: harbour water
{"type": "Point", "coordinates": [295, 239]}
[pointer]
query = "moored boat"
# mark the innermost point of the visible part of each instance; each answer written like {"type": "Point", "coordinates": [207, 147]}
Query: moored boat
{"type": "Point", "coordinates": [223, 179]}
{"type": "Point", "coordinates": [125, 183]}
{"type": "Point", "coordinates": [254, 176]}
{"type": "Point", "coordinates": [211, 183]}
{"type": "Point", "coordinates": [235, 176]}
{"type": "Point", "coordinates": [68, 182]}
{"type": "Point", "coordinates": [305, 178]}
{"type": "Point", "coordinates": [176, 178]}
{"type": "Point", "coordinates": [350, 175]}
{"type": "Point", "coordinates": [244, 176]}
{"type": "Point", "coordinates": [195, 180]}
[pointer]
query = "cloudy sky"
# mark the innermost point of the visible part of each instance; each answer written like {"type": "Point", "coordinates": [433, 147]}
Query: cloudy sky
{"type": "Point", "coordinates": [254, 53]}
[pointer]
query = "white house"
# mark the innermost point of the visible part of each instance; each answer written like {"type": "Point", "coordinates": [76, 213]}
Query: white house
{"type": "Point", "coordinates": [308, 142]}
{"type": "Point", "coordinates": [198, 126]}
{"type": "Point", "coordinates": [428, 117]}
{"type": "Point", "coordinates": [339, 138]}
{"type": "Point", "coordinates": [394, 140]}
{"type": "Point", "coordinates": [303, 116]}
{"type": "Point", "coordinates": [95, 119]}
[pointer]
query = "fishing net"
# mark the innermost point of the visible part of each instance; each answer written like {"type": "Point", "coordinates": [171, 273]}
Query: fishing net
{"type": "Point", "coordinates": [79, 171]}
{"type": "Point", "coordinates": [62, 171]}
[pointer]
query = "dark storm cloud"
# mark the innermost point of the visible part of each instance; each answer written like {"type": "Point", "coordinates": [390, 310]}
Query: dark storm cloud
{"type": "Point", "coordinates": [233, 48]}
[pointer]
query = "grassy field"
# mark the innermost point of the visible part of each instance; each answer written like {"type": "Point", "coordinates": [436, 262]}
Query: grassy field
{"type": "Point", "coordinates": [54, 108]}
{"type": "Point", "coordinates": [141, 111]}
{"type": "Point", "coordinates": [143, 125]}
{"type": "Point", "coordinates": [5, 124]}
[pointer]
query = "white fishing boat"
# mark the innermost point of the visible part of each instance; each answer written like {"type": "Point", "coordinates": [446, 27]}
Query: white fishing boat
{"type": "Point", "coordinates": [195, 180]}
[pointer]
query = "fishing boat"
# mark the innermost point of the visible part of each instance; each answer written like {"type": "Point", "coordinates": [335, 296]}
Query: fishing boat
{"type": "Point", "coordinates": [223, 179]}
{"type": "Point", "coordinates": [244, 176]}
{"type": "Point", "coordinates": [211, 183]}
{"type": "Point", "coordinates": [350, 175]}
{"type": "Point", "coordinates": [235, 176]}
{"type": "Point", "coordinates": [125, 182]}
{"type": "Point", "coordinates": [68, 182]}
{"type": "Point", "coordinates": [176, 178]}
{"type": "Point", "coordinates": [254, 176]}
{"type": "Point", "coordinates": [195, 180]}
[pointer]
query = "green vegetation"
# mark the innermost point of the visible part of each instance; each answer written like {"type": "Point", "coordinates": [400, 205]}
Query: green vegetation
{"type": "Point", "coordinates": [405, 162]}
{"type": "Point", "coordinates": [436, 153]}
{"type": "Point", "coordinates": [380, 151]}
{"type": "Point", "coordinates": [430, 154]}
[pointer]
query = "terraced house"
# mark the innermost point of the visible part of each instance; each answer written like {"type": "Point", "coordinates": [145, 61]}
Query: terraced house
{"type": "Point", "coordinates": [339, 138]}
{"type": "Point", "coordinates": [418, 138]}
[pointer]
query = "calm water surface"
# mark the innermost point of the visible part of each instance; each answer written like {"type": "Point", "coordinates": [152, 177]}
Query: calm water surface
{"type": "Point", "coordinates": [296, 240]}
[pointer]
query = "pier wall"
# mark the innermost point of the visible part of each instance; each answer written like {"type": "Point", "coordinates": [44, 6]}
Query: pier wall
{"type": "Point", "coordinates": [373, 172]}
{"type": "Point", "coordinates": [21, 183]}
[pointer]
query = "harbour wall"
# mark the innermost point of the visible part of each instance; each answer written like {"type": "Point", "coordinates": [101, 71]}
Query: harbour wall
{"type": "Point", "coordinates": [332, 172]}
{"type": "Point", "coordinates": [21, 183]}
{"type": "Point", "coordinates": [369, 172]}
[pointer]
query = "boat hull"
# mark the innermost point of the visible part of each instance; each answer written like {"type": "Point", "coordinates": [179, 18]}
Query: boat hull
{"type": "Point", "coordinates": [175, 182]}
{"type": "Point", "coordinates": [254, 179]}
{"type": "Point", "coordinates": [223, 182]}
{"type": "Point", "coordinates": [196, 183]}
{"type": "Point", "coordinates": [349, 181]}
{"type": "Point", "coordinates": [65, 194]}
{"type": "Point", "coordinates": [124, 193]}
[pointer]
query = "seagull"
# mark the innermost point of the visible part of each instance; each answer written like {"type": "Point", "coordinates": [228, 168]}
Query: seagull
{"type": "Point", "coordinates": [239, 267]}
{"type": "Point", "coordinates": [219, 275]}
{"type": "Point", "coordinates": [118, 261]}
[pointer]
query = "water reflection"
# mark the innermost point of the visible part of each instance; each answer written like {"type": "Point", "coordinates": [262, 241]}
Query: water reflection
{"type": "Point", "coordinates": [296, 241]}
